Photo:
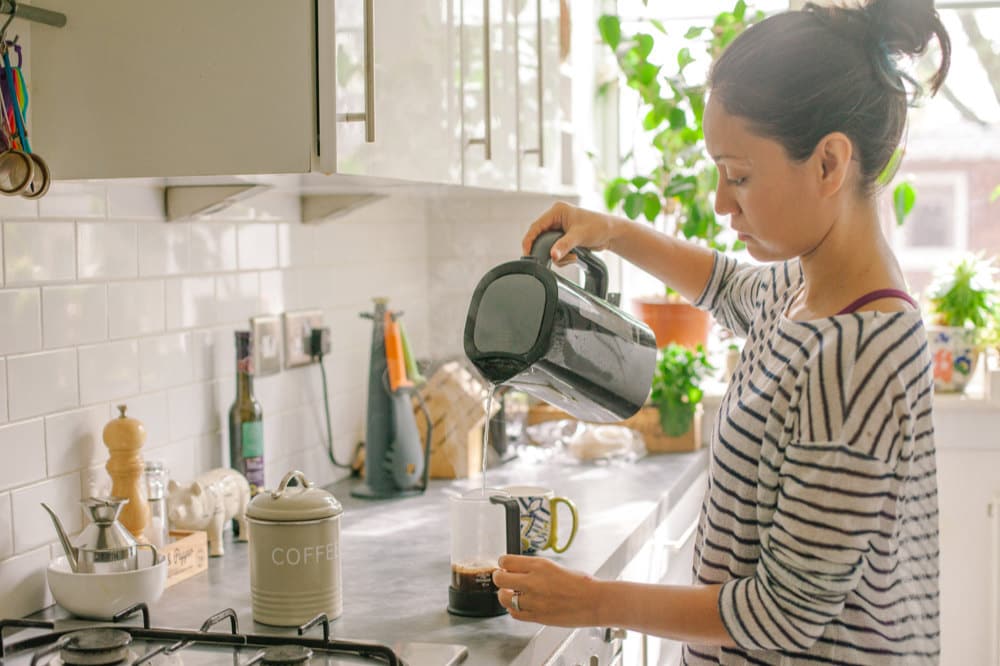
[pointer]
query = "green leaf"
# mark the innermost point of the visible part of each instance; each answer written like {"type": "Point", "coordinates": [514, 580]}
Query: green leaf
{"type": "Point", "coordinates": [643, 45]}
{"type": "Point", "coordinates": [610, 28]}
{"type": "Point", "coordinates": [740, 10]}
{"type": "Point", "coordinates": [995, 195]}
{"type": "Point", "coordinates": [678, 118]}
{"type": "Point", "coordinates": [891, 167]}
{"type": "Point", "coordinates": [652, 205]}
{"type": "Point", "coordinates": [684, 57]}
{"type": "Point", "coordinates": [903, 199]}
{"type": "Point", "coordinates": [694, 32]}
{"type": "Point", "coordinates": [658, 25]}
{"type": "Point", "coordinates": [679, 185]}
{"type": "Point", "coordinates": [646, 73]}
{"type": "Point", "coordinates": [640, 181]}
{"type": "Point", "coordinates": [615, 191]}
{"type": "Point", "coordinates": [633, 205]}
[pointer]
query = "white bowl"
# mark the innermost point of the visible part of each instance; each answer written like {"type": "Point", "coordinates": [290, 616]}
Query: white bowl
{"type": "Point", "coordinates": [98, 596]}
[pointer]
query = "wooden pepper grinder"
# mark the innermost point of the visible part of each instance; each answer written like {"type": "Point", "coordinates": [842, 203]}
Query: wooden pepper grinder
{"type": "Point", "coordinates": [124, 437]}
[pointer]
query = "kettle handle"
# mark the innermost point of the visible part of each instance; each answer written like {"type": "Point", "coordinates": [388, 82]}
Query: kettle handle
{"type": "Point", "coordinates": [512, 511]}
{"type": "Point", "coordinates": [597, 271]}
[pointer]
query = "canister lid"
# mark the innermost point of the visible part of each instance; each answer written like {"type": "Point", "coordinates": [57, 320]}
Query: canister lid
{"type": "Point", "coordinates": [289, 503]}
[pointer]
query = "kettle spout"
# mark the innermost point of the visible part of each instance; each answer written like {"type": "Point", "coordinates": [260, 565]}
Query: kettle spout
{"type": "Point", "coordinates": [71, 550]}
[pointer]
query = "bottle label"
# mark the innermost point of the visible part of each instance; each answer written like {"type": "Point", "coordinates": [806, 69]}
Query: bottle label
{"type": "Point", "coordinates": [254, 471]}
{"type": "Point", "coordinates": [253, 439]}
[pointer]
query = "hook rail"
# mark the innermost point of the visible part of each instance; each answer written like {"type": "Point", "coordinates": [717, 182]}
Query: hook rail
{"type": "Point", "coordinates": [31, 13]}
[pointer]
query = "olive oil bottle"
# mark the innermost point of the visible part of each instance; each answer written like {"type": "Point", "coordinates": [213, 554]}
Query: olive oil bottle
{"type": "Point", "coordinates": [246, 420]}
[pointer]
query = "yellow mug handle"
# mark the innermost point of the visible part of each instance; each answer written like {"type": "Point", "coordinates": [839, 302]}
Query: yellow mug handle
{"type": "Point", "coordinates": [554, 533]}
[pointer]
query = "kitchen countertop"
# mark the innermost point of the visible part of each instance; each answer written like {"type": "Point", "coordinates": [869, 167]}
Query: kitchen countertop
{"type": "Point", "coordinates": [396, 567]}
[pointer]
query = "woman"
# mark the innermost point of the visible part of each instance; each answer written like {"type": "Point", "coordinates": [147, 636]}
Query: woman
{"type": "Point", "coordinates": [817, 541]}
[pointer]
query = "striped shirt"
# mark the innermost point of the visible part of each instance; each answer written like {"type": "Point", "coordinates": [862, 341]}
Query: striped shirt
{"type": "Point", "coordinates": [820, 518]}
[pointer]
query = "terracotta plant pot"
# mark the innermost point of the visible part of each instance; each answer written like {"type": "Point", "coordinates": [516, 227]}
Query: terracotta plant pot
{"type": "Point", "coordinates": [674, 321]}
{"type": "Point", "coordinates": [954, 351]}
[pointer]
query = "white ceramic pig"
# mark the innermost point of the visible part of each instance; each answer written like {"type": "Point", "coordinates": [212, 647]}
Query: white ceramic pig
{"type": "Point", "coordinates": [208, 502]}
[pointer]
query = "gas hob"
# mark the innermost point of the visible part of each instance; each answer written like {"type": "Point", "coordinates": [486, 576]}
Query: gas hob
{"type": "Point", "coordinates": [42, 643]}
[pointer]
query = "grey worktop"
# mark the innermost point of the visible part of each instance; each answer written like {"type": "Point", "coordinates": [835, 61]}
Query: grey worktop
{"type": "Point", "coordinates": [396, 567]}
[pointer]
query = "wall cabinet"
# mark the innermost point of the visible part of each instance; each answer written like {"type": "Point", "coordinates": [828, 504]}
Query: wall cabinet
{"type": "Point", "coordinates": [429, 91]}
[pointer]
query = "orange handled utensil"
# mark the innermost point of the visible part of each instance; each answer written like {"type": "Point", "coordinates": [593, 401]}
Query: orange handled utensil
{"type": "Point", "coordinates": [395, 358]}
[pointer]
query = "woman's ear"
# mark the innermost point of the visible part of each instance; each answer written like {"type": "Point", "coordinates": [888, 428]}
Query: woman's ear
{"type": "Point", "coordinates": [833, 152]}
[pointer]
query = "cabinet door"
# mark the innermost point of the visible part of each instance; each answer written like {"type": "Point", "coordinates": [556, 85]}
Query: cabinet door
{"type": "Point", "coordinates": [394, 78]}
{"type": "Point", "coordinates": [968, 487]}
{"type": "Point", "coordinates": [539, 109]}
{"type": "Point", "coordinates": [179, 88]}
{"type": "Point", "coordinates": [489, 94]}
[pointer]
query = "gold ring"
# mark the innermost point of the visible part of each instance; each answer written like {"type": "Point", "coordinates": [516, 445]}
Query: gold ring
{"type": "Point", "coordinates": [515, 601]}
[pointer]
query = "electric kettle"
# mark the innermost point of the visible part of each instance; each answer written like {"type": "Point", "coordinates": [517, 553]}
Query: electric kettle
{"type": "Point", "coordinates": [536, 331]}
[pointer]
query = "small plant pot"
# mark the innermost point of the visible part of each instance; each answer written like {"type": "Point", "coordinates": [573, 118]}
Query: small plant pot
{"type": "Point", "coordinates": [954, 352]}
{"type": "Point", "coordinates": [672, 321]}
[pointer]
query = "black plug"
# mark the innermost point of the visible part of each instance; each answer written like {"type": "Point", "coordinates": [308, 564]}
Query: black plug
{"type": "Point", "coordinates": [319, 342]}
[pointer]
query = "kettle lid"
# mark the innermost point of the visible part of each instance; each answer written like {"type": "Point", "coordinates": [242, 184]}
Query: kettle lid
{"type": "Point", "coordinates": [303, 501]}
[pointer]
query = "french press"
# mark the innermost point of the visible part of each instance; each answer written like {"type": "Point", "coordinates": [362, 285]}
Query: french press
{"type": "Point", "coordinates": [484, 526]}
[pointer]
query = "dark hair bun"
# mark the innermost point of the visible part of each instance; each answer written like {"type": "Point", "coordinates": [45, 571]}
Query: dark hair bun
{"type": "Point", "coordinates": [906, 27]}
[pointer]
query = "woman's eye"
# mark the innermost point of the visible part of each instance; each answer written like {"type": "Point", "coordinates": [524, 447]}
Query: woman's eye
{"type": "Point", "coordinates": [737, 181]}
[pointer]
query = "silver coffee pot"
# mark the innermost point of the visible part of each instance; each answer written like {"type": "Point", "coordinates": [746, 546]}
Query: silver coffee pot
{"type": "Point", "coordinates": [105, 546]}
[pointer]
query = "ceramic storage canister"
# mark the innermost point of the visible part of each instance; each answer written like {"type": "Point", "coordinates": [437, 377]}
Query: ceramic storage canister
{"type": "Point", "coordinates": [295, 571]}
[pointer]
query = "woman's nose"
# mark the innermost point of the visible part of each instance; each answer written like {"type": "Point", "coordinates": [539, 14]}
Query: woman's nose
{"type": "Point", "coordinates": [725, 203]}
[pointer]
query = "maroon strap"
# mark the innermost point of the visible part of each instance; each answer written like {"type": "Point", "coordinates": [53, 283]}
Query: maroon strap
{"type": "Point", "coordinates": [876, 295]}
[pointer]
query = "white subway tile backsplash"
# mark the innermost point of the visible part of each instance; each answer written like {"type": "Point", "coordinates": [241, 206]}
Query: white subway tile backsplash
{"type": "Point", "coordinates": [74, 315]}
{"type": "Point", "coordinates": [237, 298]}
{"type": "Point", "coordinates": [258, 246]}
{"type": "Point", "coordinates": [109, 371]}
{"type": "Point", "coordinates": [42, 383]}
{"type": "Point", "coordinates": [214, 353]}
{"type": "Point", "coordinates": [6, 527]}
{"type": "Point", "coordinates": [272, 292]}
{"type": "Point", "coordinates": [136, 308]}
{"type": "Point", "coordinates": [296, 245]}
{"type": "Point", "coordinates": [73, 440]}
{"type": "Point", "coordinates": [165, 361]}
{"type": "Point", "coordinates": [21, 314]}
{"type": "Point", "coordinates": [213, 247]}
{"type": "Point", "coordinates": [76, 200]}
{"type": "Point", "coordinates": [39, 251]}
{"type": "Point", "coordinates": [164, 249]}
{"type": "Point", "coordinates": [22, 448]}
{"type": "Point", "coordinates": [190, 302]}
{"type": "Point", "coordinates": [136, 201]}
{"type": "Point", "coordinates": [23, 589]}
{"type": "Point", "coordinates": [32, 526]}
{"type": "Point", "coordinates": [3, 391]}
{"type": "Point", "coordinates": [194, 411]}
{"type": "Point", "coordinates": [95, 482]}
{"type": "Point", "coordinates": [107, 250]}
{"type": "Point", "coordinates": [15, 207]}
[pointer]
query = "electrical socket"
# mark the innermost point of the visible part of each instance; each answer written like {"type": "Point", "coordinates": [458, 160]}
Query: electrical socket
{"type": "Point", "coordinates": [265, 333]}
{"type": "Point", "coordinates": [298, 327]}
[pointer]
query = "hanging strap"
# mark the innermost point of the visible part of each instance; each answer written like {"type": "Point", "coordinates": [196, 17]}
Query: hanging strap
{"type": "Point", "coordinates": [876, 295]}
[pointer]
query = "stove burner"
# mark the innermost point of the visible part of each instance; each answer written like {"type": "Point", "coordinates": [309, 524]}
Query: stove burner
{"type": "Point", "coordinates": [286, 655]}
{"type": "Point", "coordinates": [95, 647]}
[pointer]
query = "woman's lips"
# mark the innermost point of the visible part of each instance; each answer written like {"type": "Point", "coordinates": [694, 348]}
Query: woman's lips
{"type": "Point", "coordinates": [742, 236]}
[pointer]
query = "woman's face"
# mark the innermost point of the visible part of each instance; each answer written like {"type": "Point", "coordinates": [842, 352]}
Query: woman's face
{"type": "Point", "coordinates": [773, 202]}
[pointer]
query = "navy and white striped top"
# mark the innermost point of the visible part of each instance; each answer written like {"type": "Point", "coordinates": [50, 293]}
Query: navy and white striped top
{"type": "Point", "coordinates": [821, 514]}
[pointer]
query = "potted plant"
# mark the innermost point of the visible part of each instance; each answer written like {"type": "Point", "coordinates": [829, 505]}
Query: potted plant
{"type": "Point", "coordinates": [679, 183]}
{"type": "Point", "coordinates": [677, 395]}
{"type": "Point", "coordinates": [962, 301]}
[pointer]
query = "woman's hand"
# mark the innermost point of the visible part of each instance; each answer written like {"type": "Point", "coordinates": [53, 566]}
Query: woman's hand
{"type": "Point", "coordinates": [547, 593]}
{"type": "Point", "coordinates": [582, 228]}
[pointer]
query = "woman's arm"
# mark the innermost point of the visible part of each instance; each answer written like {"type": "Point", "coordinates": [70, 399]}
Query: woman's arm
{"type": "Point", "coordinates": [684, 266]}
{"type": "Point", "coordinates": [550, 594]}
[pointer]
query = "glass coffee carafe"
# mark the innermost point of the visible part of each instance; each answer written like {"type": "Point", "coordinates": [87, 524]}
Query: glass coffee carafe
{"type": "Point", "coordinates": [484, 526]}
